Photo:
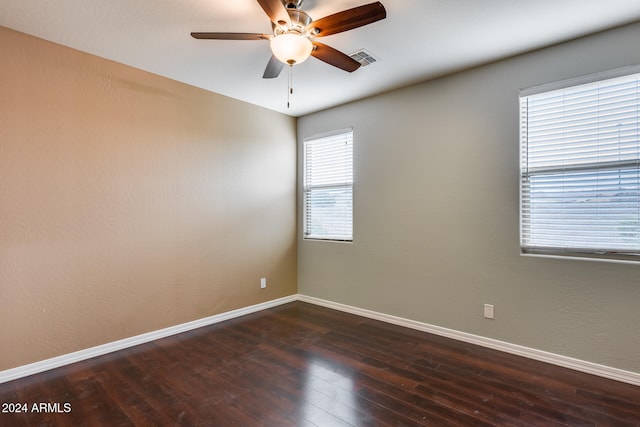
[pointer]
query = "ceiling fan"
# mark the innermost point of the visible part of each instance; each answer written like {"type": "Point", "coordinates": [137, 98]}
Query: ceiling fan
{"type": "Point", "coordinates": [294, 34]}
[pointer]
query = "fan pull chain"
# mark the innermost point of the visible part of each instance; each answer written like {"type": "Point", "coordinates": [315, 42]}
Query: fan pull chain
{"type": "Point", "coordinates": [290, 87]}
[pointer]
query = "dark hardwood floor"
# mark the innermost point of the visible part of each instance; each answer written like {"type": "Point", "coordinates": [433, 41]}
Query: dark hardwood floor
{"type": "Point", "coordinates": [303, 365]}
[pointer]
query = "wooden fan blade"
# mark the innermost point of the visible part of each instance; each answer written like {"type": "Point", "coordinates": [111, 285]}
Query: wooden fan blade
{"type": "Point", "coordinates": [230, 36]}
{"type": "Point", "coordinates": [276, 11]}
{"type": "Point", "coordinates": [273, 68]}
{"type": "Point", "coordinates": [348, 19]}
{"type": "Point", "coordinates": [334, 57]}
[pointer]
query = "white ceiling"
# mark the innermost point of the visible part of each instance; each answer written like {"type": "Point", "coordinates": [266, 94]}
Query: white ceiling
{"type": "Point", "coordinates": [420, 39]}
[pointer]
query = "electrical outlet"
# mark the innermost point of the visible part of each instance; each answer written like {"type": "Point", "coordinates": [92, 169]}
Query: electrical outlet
{"type": "Point", "coordinates": [488, 311]}
{"type": "Point", "coordinates": [263, 282]}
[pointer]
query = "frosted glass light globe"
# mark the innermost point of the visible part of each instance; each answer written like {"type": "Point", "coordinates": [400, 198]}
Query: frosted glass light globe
{"type": "Point", "coordinates": [291, 48]}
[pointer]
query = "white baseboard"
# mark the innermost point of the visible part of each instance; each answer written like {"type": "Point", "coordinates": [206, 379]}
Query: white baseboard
{"type": "Point", "coordinates": [67, 359]}
{"type": "Point", "coordinates": [531, 353]}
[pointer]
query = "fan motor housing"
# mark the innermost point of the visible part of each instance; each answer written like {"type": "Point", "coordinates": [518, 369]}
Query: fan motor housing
{"type": "Point", "coordinates": [299, 17]}
{"type": "Point", "coordinates": [300, 20]}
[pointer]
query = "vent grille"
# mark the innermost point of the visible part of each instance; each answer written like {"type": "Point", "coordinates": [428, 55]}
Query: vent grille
{"type": "Point", "coordinates": [363, 57]}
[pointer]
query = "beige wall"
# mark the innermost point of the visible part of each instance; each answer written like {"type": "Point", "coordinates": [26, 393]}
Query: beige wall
{"type": "Point", "coordinates": [130, 202]}
{"type": "Point", "coordinates": [436, 214]}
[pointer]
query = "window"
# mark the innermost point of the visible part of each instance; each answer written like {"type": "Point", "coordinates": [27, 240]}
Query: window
{"type": "Point", "coordinates": [328, 187]}
{"type": "Point", "coordinates": [580, 168]}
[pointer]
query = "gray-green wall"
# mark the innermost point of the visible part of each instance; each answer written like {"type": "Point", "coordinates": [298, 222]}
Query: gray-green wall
{"type": "Point", "coordinates": [436, 214]}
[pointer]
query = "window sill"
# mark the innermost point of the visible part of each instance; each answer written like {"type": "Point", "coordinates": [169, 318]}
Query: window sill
{"type": "Point", "coordinates": [628, 259]}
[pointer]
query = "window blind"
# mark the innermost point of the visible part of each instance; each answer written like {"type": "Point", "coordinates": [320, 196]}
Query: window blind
{"type": "Point", "coordinates": [328, 187]}
{"type": "Point", "coordinates": [580, 168]}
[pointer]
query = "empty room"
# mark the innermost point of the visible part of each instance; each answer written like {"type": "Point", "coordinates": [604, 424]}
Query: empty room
{"type": "Point", "coordinates": [320, 213]}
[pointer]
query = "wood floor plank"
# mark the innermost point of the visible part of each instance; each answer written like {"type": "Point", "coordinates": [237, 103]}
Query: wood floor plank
{"type": "Point", "coordinates": [300, 365]}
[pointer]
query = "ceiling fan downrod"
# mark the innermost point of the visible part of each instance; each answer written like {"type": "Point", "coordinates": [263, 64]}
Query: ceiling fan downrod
{"type": "Point", "coordinates": [292, 4]}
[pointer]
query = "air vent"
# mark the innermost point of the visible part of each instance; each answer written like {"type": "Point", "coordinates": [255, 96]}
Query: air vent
{"type": "Point", "coordinates": [363, 57]}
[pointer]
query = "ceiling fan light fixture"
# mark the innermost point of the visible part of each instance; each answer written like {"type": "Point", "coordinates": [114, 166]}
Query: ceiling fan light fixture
{"type": "Point", "coordinates": [291, 48]}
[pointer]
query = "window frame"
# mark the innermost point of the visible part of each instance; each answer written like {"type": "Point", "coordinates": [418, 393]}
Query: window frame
{"type": "Point", "coordinates": [568, 251]}
{"type": "Point", "coordinates": [306, 189]}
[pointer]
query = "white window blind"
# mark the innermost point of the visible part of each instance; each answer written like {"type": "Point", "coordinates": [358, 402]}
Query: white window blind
{"type": "Point", "coordinates": [328, 187]}
{"type": "Point", "coordinates": [580, 169]}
